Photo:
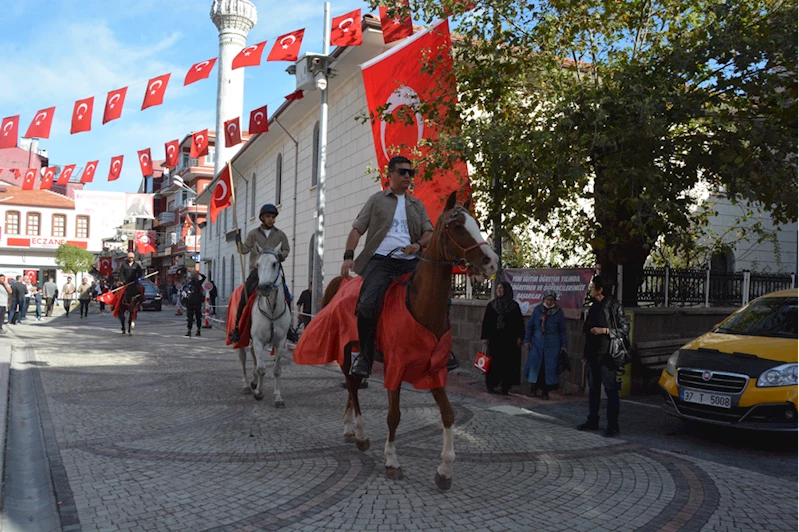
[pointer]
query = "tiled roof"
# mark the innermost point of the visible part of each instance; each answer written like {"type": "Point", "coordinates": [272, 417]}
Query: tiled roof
{"type": "Point", "coordinates": [33, 198]}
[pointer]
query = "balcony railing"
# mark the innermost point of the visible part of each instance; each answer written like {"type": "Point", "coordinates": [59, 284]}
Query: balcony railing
{"type": "Point", "coordinates": [166, 217]}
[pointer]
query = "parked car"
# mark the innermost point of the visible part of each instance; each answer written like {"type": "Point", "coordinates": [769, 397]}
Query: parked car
{"type": "Point", "coordinates": [741, 374]}
{"type": "Point", "coordinates": [152, 296]}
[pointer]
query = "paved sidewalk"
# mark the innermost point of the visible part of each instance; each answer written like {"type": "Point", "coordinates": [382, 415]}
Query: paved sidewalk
{"type": "Point", "coordinates": [152, 432]}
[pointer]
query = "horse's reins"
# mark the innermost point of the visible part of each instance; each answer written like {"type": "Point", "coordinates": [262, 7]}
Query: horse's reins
{"type": "Point", "coordinates": [445, 239]}
{"type": "Point", "coordinates": [278, 281]}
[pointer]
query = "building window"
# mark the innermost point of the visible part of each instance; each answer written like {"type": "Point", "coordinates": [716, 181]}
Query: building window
{"type": "Point", "coordinates": [315, 163]}
{"type": "Point", "coordinates": [224, 217]}
{"type": "Point", "coordinates": [311, 255]}
{"type": "Point", "coordinates": [252, 198]}
{"type": "Point", "coordinates": [34, 224]}
{"type": "Point", "coordinates": [217, 224]}
{"type": "Point", "coordinates": [279, 179]}
{"type": "Point", "coordinates": [209, 159]}
{"type": "Point", "coordinates": [222, 284]}
{"type": "Point", "coordinates": [232, 275]}
{"type": "Point", "coordinates": [12, 222]}
{"type": "Point", "coordinates": [59, 225]}
{"type": "Point", "coordinates": [82, 227]}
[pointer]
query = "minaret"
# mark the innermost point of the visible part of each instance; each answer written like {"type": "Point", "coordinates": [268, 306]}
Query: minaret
{"type": "Point", "coordinates": [234, 19]}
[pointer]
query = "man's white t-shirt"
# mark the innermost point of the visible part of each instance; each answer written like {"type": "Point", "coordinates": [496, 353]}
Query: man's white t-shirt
{"type": "Point", "coordinates": [398, 236]}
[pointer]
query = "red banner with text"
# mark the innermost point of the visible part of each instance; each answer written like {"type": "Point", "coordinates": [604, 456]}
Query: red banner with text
{"type": "Point", "coordinates": [530, 284]}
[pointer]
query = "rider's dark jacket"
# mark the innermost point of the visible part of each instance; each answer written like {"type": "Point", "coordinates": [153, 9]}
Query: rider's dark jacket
{"type": "Point", "coordinates": [130, 273]}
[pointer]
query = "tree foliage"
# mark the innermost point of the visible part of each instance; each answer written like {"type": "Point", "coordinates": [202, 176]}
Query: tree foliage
{"type": "Point", "coordinates": [72, 259]}
{"type": "Point", "coordinates": [614, 111]}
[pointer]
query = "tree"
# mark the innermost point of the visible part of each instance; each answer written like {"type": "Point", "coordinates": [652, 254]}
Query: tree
{"type": "Point", "coordinates": [616, 111]}
{"type": "Point", "coordinates": [73, 259]}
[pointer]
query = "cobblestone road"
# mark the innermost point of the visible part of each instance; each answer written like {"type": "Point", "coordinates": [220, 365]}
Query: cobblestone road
{"type": "Point", "coordinates": [152, 432]}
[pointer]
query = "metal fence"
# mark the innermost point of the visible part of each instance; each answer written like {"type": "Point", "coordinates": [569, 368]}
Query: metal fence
{"type": "Point", "coordinates": [467, 287]}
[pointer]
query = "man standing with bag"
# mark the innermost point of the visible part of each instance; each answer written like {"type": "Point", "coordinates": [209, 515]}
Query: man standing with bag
{"type": "Point", "coordinates": [68, 294]}
{"type": "Point", "coordinates": [50, 293]}
{"type": "Point", "coordinates": [19, 293]}
{"type": "Point", "coordinates": [193, 298]}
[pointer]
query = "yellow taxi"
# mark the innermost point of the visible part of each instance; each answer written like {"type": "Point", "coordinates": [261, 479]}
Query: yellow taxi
{"type": "Point", "coordinates": [741, 374]}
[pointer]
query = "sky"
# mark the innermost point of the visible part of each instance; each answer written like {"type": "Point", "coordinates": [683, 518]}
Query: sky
{"type": "Point", "coordinates": [54, 52]}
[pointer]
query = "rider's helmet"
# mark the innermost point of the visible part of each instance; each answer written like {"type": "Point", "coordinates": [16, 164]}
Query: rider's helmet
{"type": "Point", "coordinates": [268, 209]}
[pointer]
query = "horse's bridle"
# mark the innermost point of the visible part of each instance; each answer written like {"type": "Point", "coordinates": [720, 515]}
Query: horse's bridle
{"type": "Point", "coordinates": [278, 282]}
{"type": "Point", "coordinates": [446, 238]}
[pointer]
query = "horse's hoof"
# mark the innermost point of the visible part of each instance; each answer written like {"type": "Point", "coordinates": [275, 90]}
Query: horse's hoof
{"type": "Point", "coordinates": [349, 438]}
{"type": "Point", "coordinates": [246, 390]}
{"type": "Point", "coordinates": [280, 404]}
{"type": "Point", "coordinates": [258, 396]}
{"type": "Point", "coordinates": [363, 445]}
{"type": "Point", "coordinates": [443, 482]}
{"type": "Point", "coordinates": [394, 473]}
{"type": "Point", "coordinates": [253, 385]}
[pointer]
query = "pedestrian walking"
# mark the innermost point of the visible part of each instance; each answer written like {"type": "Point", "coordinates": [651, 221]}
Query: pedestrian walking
{"type": "Point", "coordinates": [102, 289]}
{"type": "Point", "coordinates": [50, 293]}
{"type": "Point", "coordinates": [545, 338]}
{"type": "Point", "coordinates": [84, 297]}
{"type": "Point", "coordinates": [213, 294]}
{"type": "Point", "coordinates": [502, 334]}
{"type": "Point", "coordinates": [29, 296]}
{"type": "Point", "coordinates": [304, 306]}
{"type": "Point", "coordinates": [193, 299]}
{"type": "Point", "coordinates": [18, 293]}
{"type": "Point", "coordinates": [5, 293]}
{"type": "Point", "coordinates": [606, 321]}
{"type": "Point", "coordinates": [68, 294]}
{"type": "Point", "coordinates": [37, 300]}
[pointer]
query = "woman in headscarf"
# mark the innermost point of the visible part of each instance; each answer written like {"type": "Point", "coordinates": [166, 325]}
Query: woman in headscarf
{"type": "Point", "coordinates": [545, 339]}
{"type": "Point", "coordinates": [503, 330]}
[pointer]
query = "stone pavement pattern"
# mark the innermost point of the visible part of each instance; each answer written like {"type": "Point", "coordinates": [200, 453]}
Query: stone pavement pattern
{"type": "Point", "coordinates": [152, 432]}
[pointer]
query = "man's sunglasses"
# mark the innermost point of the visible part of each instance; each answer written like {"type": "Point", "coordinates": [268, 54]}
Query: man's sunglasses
{"type": "Point", "coordinates": [406, 172]}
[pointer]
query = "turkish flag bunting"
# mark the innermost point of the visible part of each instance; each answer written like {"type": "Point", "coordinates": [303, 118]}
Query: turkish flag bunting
{"type": "Point", "coordinates": [66, 174]}
{"type": "Point", "coordinates": [40, 125]}
{"type": "Point", "coordinates": [113, 104]}
{"type": "Point", "coordinates": [146, 162]}
{"type": "Point", "coordinates": [186, 226]}
{"type": "Point", "coordinates": [17, 173]}
{"type": "Point", "coordinates": [30, 178]}
{"type": "Point", "coordinates": [145, 242]}
{"type": "Point", "coordinates": [232, 133]}
{"type": "Point", "coordinates": [250, 56]}
{"type": "Point", "coordinates": [258, 121]}
{"type": "Point", "coordinates": [398, 26]}
{"type": "Point", "coordinates": [82, 115]}
{"type": "Point", "coordinates": [116, 167]}
{"type": "Point", "coordinates": [346, 30]}
{"type": "Point", "coordinates": [199, 71]}
{"type": "Point", "coordinates": [156, 88]}
{"type": "Point", "coordinates": [105, 268]}
{"type": "Point", "coordinates": [88, 172]}
{"type": "Point", "coordinates": [171, 148]}
{"type": "Point", "coordinates": [47, 178]}
{"type": "Point", "coordinates": [199, 144]}
{"type": "Point", "coordinates": [222, 193]}
{"type": "Point", "coordinates": [400, 67]}
{"type": "Point", "coordinates": [287, 47]}
{"type": "Point", "coordinates": [9, 131]}
{"type": "Point", "coordinates": [294, 96]}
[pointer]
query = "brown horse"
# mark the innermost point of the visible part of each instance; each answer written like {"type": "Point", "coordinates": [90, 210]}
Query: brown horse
{"type": "Point", "coordinates": [128, 302]}
{"type": "Point", "coordinates": [456, 240]}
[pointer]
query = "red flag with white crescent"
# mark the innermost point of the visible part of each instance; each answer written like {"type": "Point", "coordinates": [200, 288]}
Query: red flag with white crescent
{"type": "Point", "coordinates": [199, 71]}
{"type": "Point", "coordinates": [250, 56]}
{"type": "Point", "coordinates": [145, 242]}
{"type": "Point", "coordinates": [29, 181]}
{"type": "Point", "coordinates": [232, 133]}
{"type": "Point", "coordinates": [113, 104]}
{"type": "Point", "coordinates": [109, 298]}
{"type": "Point", "coordinates": [88, 172]}
{"type": "Point", "coordinates": [82, 115]}
{"type": "Point", "coordinates": [221, 197]}
{"type": "Point", "coordinates": [66, 174]}
{"type": "Point", "coordinates": [199, 144]}
{"type": "Point", "coordinates": [287, 47]}
{"type": "Point", "coordinates": [156, 88]}
{"type": "Point", "coordinates": [394, 80]}
{"type": "Point", "coordinates": [9, 132]}
{"type": "Point", "coordinates": [145, 162]}
{"type": "Point", "coordinates": [258, 121]}
{"type": "Point", "coordinates": [47, 178]}
{"type": "Point", "coordinates": [40, 125]}
{"type": "Point", "coordinates": [105, 267]}
{"type": "Point", "coordinates": [296, 95]}
{"type": "Point", "coordinates": [346, 29]}
{"type": "Point", "coordinates": [116, 167]}
{"type": "Point", "coordinates": [171, 149]}
{"type": "Point", "coordinates": [398, 26]}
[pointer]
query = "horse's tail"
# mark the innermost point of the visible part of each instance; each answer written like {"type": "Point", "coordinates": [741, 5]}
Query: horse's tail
{"type": "Point", "coordinates": [331, 290]}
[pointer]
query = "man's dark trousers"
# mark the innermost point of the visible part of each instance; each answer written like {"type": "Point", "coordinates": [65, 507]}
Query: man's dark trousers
{"type": "Point", "coordinates": [15, 311]}
{"type": "Point", "coordinates": [48, 309]}
{"type": "Point", "coordinates": [599, 376]}
{"type": "Point", "coordinates": [251, 284]}
{"type": "Point", "coordinates": [377, 277]}
{"type": "Point", "coordinates": [194, 313]}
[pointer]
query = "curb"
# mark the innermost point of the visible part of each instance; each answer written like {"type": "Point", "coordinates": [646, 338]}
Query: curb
{"type": "Point", "coordinates": [5, 375]}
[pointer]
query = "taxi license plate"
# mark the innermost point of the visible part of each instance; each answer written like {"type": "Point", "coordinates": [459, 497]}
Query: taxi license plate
{"type": "Point", "coordinates": [705, 398]}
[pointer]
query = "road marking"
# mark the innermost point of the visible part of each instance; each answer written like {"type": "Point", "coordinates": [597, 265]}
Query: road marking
{"type": "Point", "coordinates": [516, 411]}
{"type": "Point", "coordinates": [639, 404]}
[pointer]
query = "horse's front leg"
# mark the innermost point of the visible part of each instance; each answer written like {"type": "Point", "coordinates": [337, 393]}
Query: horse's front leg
{"type": "Point", "coordinates": [257, 384]}
{"type": "Point", "coordinates": [243, 359]}
{"type": "Point", "coordinates": [279, 403]}
{"type": "Point", "coordinates": [393, 470]}
{"type": "Point", "coordinates": [445, 469]}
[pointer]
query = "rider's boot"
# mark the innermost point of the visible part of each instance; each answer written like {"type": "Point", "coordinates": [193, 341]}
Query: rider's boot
{"type": "Point", "coordinates": [362, 365]}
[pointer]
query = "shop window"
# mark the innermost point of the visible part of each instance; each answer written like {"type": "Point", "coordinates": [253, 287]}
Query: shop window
{"type": "Point", "coordinates": [33, 225]}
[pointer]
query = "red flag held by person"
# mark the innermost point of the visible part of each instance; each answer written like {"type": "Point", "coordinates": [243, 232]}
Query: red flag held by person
{"type": "Point", "coordinates": [88, 172]}
{"type": "Point", "coordinates": [171, 149]}
{"type": "Point", "coordinates": [109, 298]}
{"type": "Point", "coordinates": [66, 174]}
{"type": "Point", "coordinates": [105, 267]}
{"type": "Point", "coordinates": [258, 121]}
{"type": "Point", "coordinates": [394, 80]}
{"type": "Point", "coordinates": [40, 125]}
{"type": "Point", "coordinates": [222, 193]}
{"type": "Point", "coordinates": [9, 131]}
{"type": "Point", "coordinates": [156, 88]}
{"type": "Point", "coordinates": [199, 71]}
{"type": "Point", "coordinates": [232, 133]}
{"type": "Point", "coordinates": [47, 178]}
{"type": "Point", "coordinates": [287, 47]}
{"type": "Point", "coordinates": [146, 162]}
{"type": "Point", "coordinates": [250, 56]}
{"type": "Point", "coordinates": [199, 144]}
{"type": "Point", "coordinates": [82, 115]}
{"type": "Point", "coordinates": [113, 104]}
{"type": "Point", "coordinates": [144, 242]}
{"type": "Point", "coordinates": [398, 26]}
{"type": "Point", "coordinates": [346, 30]}
{"type": "Point", "coordinates": [116, 167]}
{"type": "Point", "coordinates": [30, 179]}
{"type": "Point", "coordinates": [296, 95]}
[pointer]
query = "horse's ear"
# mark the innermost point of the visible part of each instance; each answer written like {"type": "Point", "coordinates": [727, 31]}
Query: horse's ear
{"type": "Point", "coordinates": [277, 249]}
{"type": "Point", "coordinates": [468, 205]}
{"type": "Point", "coordinates": [451, 202]}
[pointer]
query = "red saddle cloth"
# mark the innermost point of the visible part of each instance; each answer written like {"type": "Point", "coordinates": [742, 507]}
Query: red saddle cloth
{"type": "Point", "coordinates": [411, 353]}
{"type": "Point", "coordinates": [244, 323]}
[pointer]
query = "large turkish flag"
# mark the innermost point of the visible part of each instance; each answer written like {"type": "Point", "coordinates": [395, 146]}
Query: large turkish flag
{"type": "Point", "coordinates": [394, 80]}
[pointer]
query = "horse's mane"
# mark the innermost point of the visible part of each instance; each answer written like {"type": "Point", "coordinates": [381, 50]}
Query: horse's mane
{"type": "Point", "coordinates": [331, 290]}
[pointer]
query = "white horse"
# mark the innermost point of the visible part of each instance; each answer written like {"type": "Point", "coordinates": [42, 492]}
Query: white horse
{"type": "Point", "coordinates": [271, 319]}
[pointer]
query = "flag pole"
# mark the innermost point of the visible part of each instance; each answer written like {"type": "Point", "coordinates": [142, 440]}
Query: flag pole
{"type": "Point", "coordinates": [236, 224]}
{"type": "Point", "coordinates": [130, 283]}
